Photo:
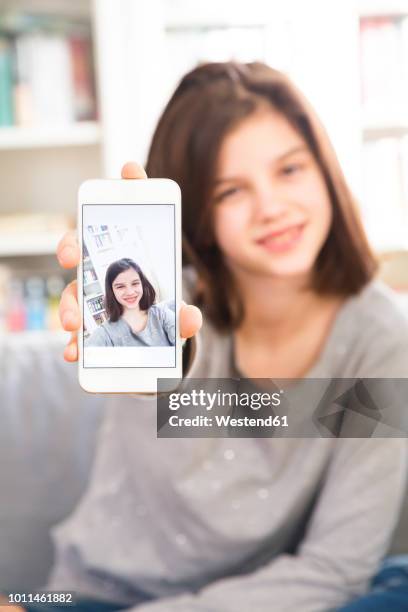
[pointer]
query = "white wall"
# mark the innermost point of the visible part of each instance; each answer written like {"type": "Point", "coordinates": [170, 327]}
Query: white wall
{"type": "Point", "coordinates": [316, 41]}
{"type": "Point", "coordinates": [154, 224]}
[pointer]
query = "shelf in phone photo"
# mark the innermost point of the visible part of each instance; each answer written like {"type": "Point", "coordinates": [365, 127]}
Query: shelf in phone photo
{"type": "Point", "coordinates": [105, 249]}
{"type": "Point", "coordinates": [94, 282]}
{"type": "Point", "coordinates": [93, 296]}
{"type": "Point", "coordinates": [97, 312]}
{"type": "Point", "coordinates": [87, 264]}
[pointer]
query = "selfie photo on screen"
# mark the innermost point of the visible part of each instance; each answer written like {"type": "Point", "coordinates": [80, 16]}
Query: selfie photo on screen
{"type": "Point", "coordinates": [128, 279]}
{"type": "Point", "coordinates": [133, 317]}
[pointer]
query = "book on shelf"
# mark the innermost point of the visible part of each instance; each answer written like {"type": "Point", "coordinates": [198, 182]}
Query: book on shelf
{"type": "Point", "coordinates": [83, 82]}
{"type": "Point", "coordinates": [100, 318]}
{"type": "Point", "coordinates": [97, 229]}
{"type": "Point", "coordinates": [46, 71]}
{"type": "Point", "coordinates": [103, 240]}
{"type": "Point", "coordinates": [90, 276]}
{"type": "Point", "coordinates": [101, 235]}
{"type": "Point", "coordinates": [96, 303]}
{"type": "Point", "coordinates": [6, 82]}
{"type": "Point", "coordinates": [44, 91]}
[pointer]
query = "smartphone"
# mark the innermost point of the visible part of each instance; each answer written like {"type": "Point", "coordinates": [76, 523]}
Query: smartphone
{"type": "Point", "coordinates": [129, 284]}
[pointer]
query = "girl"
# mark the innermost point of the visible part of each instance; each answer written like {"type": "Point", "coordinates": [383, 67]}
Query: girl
{"type": "Point", "coordinates": [279, 264]}
{"type": "Point", "coordinates": [133, 318]}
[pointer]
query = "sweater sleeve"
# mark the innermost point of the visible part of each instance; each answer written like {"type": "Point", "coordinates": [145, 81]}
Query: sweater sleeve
{"type": "Point", "coordinates": [346, 538]}
{"type": "Point", "coordinates": [168, 322]}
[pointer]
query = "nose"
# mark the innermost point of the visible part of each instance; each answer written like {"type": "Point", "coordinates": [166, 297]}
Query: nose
{"type": "Point", "coordinates": [269, 204]}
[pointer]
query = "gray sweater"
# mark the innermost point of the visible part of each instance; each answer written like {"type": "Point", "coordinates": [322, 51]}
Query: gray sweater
{"type": "Point", "coordinates": [232, 525]}
{"type": "Point", "coordinates": [160, 330]}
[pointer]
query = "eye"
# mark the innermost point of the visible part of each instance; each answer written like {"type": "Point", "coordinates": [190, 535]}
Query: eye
{"type": "Point", "coordinates": [227, 194]}
{"type": "Point", "coordinates": [290, 169]}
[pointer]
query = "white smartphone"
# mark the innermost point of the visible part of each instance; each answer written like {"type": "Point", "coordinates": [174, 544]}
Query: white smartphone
{"type": "Point", "coordinates": [129, 284]}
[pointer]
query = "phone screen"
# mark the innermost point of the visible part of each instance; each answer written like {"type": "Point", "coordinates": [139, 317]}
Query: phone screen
{"type": "Point", "coordinates": [129, 286]}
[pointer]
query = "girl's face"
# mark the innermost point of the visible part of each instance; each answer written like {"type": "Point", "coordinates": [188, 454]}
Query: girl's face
{"type": "Point", "coordinates": [272, 207]}
{"type": "Point", "coordinates": [128, 289]}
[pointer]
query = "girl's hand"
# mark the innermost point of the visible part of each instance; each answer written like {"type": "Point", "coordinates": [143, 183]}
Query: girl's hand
{"type": "Point", "coordinates": [68, 254]}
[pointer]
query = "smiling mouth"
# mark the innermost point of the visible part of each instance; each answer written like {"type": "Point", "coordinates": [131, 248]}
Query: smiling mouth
{"type": "Point", "coordinates": [282, 240]}
{"type": "Point", "coordinates": [130, 300]}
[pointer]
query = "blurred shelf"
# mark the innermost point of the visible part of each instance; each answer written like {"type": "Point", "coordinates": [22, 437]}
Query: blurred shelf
{"type": "Point", "coordinates": [376, 8]}
{"type": "Point", "coordinates": [385, 129]}
{"type": "Point", "coordinates": [34, 337]}
{"type": "Point", "coordinates": [84, 133]}
{"type": "Point", "coordinates": [79, 8]}
{"type": "Point", "coordinates": [23, 244]}
{"type": "Point", "coordinates": [183, 14]}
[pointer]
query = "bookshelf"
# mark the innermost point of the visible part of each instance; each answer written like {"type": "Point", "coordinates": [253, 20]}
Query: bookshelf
{"type": "Point", "coordinates": [51, 139]}
{"type": "Point", "coordinates": [94, 297]}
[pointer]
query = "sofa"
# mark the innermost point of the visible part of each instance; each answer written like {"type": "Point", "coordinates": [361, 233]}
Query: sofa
{"type": "Point", "coordinates": [48, 428]}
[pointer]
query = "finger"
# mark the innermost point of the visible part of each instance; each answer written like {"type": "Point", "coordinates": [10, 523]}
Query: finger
{"type": "Point", "coordinates": [68, 253]}
{"type": "Point", "coordinates": [133, 170]}
{"type": "Point", "coordinates": [190, 320]}
{"type": "Point", "coordinates": [71, 350]}
{"type": "Point", "coordinates": [7, 607]}
{"type": "Point", "coordinates": [69, 314]}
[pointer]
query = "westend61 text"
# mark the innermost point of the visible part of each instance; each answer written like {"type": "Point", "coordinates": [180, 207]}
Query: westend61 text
{"type": "Point", "coordinates": [228, 421]}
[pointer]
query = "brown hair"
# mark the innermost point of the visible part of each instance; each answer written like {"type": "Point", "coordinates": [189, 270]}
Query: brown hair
{"type": "Point", "coordinates": [208, 103]}
{"type": "Point", "coordinates": [114, 310]}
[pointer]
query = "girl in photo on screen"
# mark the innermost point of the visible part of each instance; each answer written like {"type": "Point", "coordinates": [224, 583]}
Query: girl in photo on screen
{"type": "Point", "coordinates": [278, 262]}
{"type": "Point", "coordinates": [133, 317]}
